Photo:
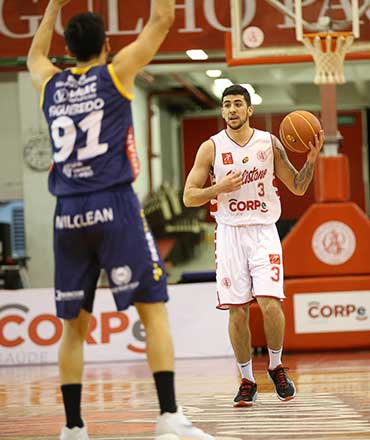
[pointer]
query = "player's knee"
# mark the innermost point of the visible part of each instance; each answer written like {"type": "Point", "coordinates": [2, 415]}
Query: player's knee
{"type": "Point", "coordinates": [238, 313]}
{"type": "Point", "coordinates": [152, 314]}
{"type": "Point", "coordinates": [75, 329]}
{"type": "Point", "coordinates": [270, 306]}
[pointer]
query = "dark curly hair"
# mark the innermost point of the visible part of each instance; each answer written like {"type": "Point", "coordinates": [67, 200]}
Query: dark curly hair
{"type": "Point", "coordinates": [85, 35]}
{"type": "Point", "coordinates": [237, 89]}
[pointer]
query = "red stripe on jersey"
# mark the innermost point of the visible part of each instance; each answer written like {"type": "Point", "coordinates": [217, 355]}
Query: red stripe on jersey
{"type": "Point", "coordinates": [276, 186]}
{"type": "Point", "coordinates": [215, 246]}
{"type": "Point", "coordinates": [213, 202]}
{"type": "Point", "coordinates": [213, 206]}
{"type": "Point", "coordinates": [132, 153]}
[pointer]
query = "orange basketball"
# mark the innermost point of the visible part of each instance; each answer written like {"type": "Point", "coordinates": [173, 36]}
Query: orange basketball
{"type": "Point", "coordinates": [297, 129]}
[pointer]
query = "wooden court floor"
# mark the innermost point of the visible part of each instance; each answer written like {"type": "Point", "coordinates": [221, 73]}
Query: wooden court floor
{"type": "Point", "coordinates": [333, 400]}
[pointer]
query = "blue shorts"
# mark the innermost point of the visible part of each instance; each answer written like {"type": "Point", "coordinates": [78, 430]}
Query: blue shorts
{"type": "Point", "coordinates": [105, 230]}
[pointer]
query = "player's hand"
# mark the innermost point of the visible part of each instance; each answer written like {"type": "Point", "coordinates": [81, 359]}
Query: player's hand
{"type": "Point", "coordinates": [231, 182]}
{"type": "Point", "coordinates": [315, 149]}
{"type": "Point", "coordinates": [60, 3]}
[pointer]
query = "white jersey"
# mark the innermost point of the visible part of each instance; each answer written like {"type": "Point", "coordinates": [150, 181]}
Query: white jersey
{"type": "Point", "coordinates": [257, 201]}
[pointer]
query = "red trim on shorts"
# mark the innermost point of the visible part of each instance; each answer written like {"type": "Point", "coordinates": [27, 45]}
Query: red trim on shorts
{"type": "Point", "coordinates": [269, 296]}
{"type": "Point", "coordinates": [226, 306]}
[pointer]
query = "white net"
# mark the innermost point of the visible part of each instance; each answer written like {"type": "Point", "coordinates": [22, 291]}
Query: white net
{"type": "Point", "coordinates": [328, 51]}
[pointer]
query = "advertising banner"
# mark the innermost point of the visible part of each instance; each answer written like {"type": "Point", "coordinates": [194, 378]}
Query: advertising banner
{"type": "Point", "coordinates": [199, 24]}
{"type": "Point", "coordinates": [331, 312]}
{"type": "Point", "coordinates": [30, 332]}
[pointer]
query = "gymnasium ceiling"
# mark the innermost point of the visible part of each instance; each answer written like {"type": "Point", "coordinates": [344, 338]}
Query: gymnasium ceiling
{"type": "Point", "coordinates": [281, 86]}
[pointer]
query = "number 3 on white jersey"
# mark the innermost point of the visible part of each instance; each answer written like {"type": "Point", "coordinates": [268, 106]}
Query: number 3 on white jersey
{"type": "Point", "coordinates": [64, 134]}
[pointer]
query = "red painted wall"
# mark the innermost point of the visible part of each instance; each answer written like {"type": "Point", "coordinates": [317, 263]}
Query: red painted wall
{"type": "Point", "coordinates": [194, 131]}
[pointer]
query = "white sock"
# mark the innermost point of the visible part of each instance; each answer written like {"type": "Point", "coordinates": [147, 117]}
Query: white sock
{"type": "Point", "coordinates": [275, 358]}
{"type": "Point", "coordinates": [246, 370]}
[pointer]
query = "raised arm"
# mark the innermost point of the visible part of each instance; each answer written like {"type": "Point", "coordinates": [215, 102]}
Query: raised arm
{"type": "Point", "coordinates": [194, 192]}
{"type": "Point", "coordinates": [38, 62]}
{"type": "Point", "coordinates": [296, 181]}
{"type": "Point", "coordinates": [129, 60]}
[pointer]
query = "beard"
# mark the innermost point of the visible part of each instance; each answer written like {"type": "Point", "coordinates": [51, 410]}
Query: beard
{"type": "Point", "coordinates": [236, 124]}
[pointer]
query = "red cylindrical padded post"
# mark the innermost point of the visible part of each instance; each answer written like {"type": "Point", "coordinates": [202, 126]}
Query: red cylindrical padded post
{"type": "Point", "coordinates": [331, 179]}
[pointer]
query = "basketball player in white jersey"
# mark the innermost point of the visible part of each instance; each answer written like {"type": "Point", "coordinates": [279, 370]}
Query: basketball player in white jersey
{"type": "Point", "coordinates": [243, 163]}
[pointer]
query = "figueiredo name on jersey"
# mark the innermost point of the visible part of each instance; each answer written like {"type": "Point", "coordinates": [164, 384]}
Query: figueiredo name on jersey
{"type": "Point", "coordinates": [77, 108]}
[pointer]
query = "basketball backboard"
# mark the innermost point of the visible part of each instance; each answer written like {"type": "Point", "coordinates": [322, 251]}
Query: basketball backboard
{"type": "Point", "coordinates": [270, 31]}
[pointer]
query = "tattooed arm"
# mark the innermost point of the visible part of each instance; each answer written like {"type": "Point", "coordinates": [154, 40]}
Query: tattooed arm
{"type": "Point", "coordinates": [296, 181]}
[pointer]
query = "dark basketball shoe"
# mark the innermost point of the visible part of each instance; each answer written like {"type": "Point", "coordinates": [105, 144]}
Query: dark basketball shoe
{"type": "Point", "coordinates": [247, 393]}
{"type": "Point", "coordinates": [285, 388]}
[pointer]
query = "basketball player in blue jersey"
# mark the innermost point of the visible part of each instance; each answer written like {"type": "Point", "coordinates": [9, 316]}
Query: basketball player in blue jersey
{"type": "Point", "coordinates": [243, 163]}
{"type": "Point", "coordinates": [98, 221]}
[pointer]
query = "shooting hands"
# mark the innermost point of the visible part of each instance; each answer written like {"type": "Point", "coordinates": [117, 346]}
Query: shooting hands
{"type": "Point", "coordinates": [60, 3]}
{"type": "Point", "coordinates": [315, 149]}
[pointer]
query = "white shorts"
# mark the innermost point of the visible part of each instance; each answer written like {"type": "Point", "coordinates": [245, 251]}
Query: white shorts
{"type": "Point", "coordinates": [249, 263]}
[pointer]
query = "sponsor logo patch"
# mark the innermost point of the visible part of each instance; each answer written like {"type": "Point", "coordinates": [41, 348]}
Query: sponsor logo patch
{"type": "Point", "coordinates": [69, 296]}
{"type": "Point", "coordinates": [121, 275]}
{"type": "Point", "coordinates": [227, 159]}
{"type": "Point", "coordinates": [247, 205]}
{"type": "Point", "coordinates": [275, 259]}
{"type": "Point", "coordinates": [262, 156]}
{"type": "Point", "coordinates": [264, 208]}
{"type": "Point", "coordinates": [226, 282]}
{"type": "Point", "coordinates": [157, 272]}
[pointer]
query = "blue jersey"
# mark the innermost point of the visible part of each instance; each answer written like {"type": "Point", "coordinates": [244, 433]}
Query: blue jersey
{"type": "Point", "coordinates": [90, 124]}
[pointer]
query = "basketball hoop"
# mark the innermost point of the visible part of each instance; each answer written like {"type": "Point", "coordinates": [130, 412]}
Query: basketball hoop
{"type": "Point", "coordinates": [328, 50]}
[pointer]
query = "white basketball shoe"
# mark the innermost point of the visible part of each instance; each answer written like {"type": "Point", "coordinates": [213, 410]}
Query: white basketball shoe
{"type": "Point", "coordinates": [175, 426]}
{"type": "Point", "coordinates": [74, 433]}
